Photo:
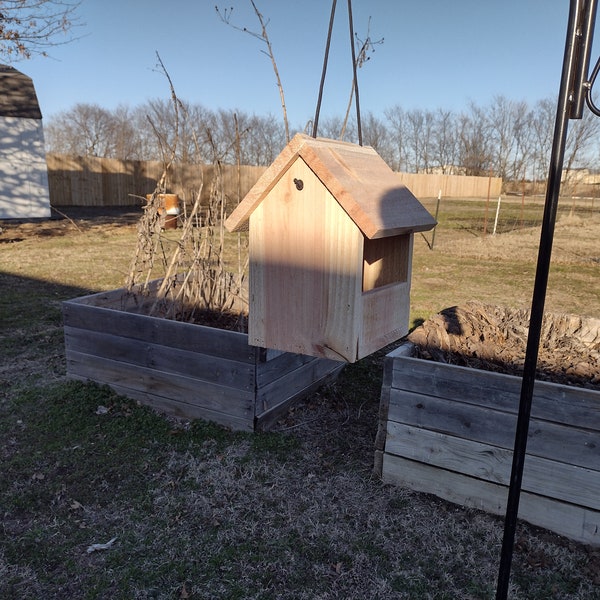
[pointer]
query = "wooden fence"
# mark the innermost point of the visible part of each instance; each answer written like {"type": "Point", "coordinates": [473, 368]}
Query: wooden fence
{"type": "Point", "coordinates": [95, 182]}
{"type": "Point", "coordinates": [451, 186]}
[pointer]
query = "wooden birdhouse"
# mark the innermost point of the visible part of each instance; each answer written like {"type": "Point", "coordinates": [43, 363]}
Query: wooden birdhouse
{"type": "Point", "coordinates": [331, 237]}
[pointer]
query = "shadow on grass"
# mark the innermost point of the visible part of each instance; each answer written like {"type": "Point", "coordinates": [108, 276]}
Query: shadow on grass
{"type": "Point", "coordinates": [27, 303]}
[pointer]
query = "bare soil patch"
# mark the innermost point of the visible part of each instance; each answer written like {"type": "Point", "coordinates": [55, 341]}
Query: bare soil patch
{"type": "Point", "coordinates": [494, 338]}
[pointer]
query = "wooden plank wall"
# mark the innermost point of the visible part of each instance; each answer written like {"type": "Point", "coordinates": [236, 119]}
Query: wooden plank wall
{"type": "Point", "coordinates": [449, 431]}
{"type": "Point", "coordinates": [94, 182]}
{"type": "Point", "coordinates": [174, 367]}
{"type": "Point", "coordinates": [183, 369]}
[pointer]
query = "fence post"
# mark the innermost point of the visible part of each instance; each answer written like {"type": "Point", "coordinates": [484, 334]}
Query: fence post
{"type": "Point", "coordinates": [497, 214]}
{"type": "Point", "coordinates": [437, 212]}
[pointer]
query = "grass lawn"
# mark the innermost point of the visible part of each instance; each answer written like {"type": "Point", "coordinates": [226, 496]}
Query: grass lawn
{"type": "Point", "coordinates": [196, 511]}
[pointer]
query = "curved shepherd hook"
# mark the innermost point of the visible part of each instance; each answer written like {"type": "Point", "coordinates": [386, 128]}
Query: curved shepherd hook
{"type": "Point", "coordinates": [574, 89]}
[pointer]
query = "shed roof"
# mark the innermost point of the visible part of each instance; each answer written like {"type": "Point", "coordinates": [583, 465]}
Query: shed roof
{"type": "Point", "coordinates": [17, 95]}
{"type": "Point", "coordinates": [356, 176]}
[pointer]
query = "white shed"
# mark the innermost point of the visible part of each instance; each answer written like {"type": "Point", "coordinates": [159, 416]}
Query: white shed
{"type": "Point", "coordinates": [23, 170]}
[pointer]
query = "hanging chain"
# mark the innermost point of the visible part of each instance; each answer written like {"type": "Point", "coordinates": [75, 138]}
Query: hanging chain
{"type": "Point", "coordinates": [354, 72]}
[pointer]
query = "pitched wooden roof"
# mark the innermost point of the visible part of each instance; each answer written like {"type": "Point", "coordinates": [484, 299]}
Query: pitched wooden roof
{"type": "Point", "coordinates": [356, 176]}
{"type": "Point", "coordinates": [17, 95]}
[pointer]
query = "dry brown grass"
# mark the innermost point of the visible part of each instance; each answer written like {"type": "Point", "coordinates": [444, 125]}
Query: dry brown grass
{"type": "Point", "coordinates": [574, 243]}
{"type": "Point", "coordinates": [202, 513]}
{"type": "Point", "coordinates": [500, 269]}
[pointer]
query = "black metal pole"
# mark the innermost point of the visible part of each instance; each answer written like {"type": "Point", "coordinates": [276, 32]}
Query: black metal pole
{"type": "Point", "coordinates": [354, 74]}
{"type": "Point", "coordinates": [575, 64]}
{"type": "Point", "coordinates": [324, 71]}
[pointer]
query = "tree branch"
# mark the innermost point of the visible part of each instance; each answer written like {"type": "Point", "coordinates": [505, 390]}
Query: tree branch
{"type": "Point", "coordinates": [263, 36]}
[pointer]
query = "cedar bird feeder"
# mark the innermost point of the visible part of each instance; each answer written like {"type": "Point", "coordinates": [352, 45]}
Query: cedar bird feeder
{"type": "Point", "coordinates": [331, 238]}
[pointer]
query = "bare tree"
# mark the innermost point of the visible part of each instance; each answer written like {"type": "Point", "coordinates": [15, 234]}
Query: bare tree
{"type": "Point", "coordinates": [523, 144]}
{"type": "Point", "coordinates": [473, 138]}
{"type": "Point", "coordinates": [377, 135]}
{"type": "Point", "coordinates": [124, 139]}
{"type": "Point", "coordinates": [30, 27]}
{"type": "Point", "coordinates": [263, 141]}
{"type": "Point", "coordinates": [541, 122]}
{"type": "Point", "coordinates": [366, 49]}
{"type": "Point", "coordinates": [90, 130]}
{"type": "Point", "coordinates": [396, 117]}
{"type": "Point", "coordinates": [443, 143]}
{"type": "Point", "coordinates": [414, 137]}
{"type": "Point", "coordinates": [582, 133]}
{"type": "Point", "coordinates": [191, 122]}
{"type": "Point", "coordinates": [419, 128]}
{"type": "Point", "coordinates": [506, 127]}
{"type": "Point", "coordinates": [263, 36]}
{"type": "Point", "coordinates": [84, 130]}
{"type": "Point", "coordinates": [332, 127]}
{"type": "Point", "coordinates": [226, 131]}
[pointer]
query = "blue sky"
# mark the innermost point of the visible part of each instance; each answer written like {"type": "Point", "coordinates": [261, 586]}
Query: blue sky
{"type": "Point", "coordinates": [436, 54]}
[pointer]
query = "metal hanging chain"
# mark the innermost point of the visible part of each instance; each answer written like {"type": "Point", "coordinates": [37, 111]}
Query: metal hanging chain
{"type": "Point", "coordinates": [354, 74]}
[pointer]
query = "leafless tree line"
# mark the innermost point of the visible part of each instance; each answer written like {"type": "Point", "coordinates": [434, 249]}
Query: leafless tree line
{"type": "Point", "coordinates": [148, 132]}
{"type": "Point", "coordinates": [505, 138]}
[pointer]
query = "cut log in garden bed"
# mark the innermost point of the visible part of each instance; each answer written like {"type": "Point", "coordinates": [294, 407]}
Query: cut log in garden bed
{"type": "Point", "coordinates": [183, 369]}
{"type": "Point", "coordinates": [449, 430]}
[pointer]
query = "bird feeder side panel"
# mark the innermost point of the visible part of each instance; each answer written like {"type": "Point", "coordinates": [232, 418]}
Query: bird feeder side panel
{"type": "Point", "coordinates": [305, 270]}
{"type": "Point", "coordinates": [386, 301]}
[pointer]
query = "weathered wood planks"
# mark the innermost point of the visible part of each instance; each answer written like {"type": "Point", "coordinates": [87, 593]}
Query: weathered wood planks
{"type": "Point", "coordinates": [184, 369]}
{"type": "Point", "coordinates": [449, 431]}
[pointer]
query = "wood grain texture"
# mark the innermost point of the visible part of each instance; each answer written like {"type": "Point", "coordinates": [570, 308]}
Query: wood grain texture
{"type": "Point", "coordinates": [555, 403]}
{"type": "Point", "coordinates": [386, 261]}
{"type": "Point", "coordinates": [543, 476]}
{"type": "Point", "coordinates": [188, 390]}
{"type": "Point", "coordinates": [305, 270]}
{"type": "Point", "coordinates": [450, 430]}
{"type": "Point", "coordinates": [575, 522]}
{"type": "Point", "coordinates": [294, 383]}
{"type": "Point", "coordinates": [356, 176]}
{"type": "Point", "coordinates": [385, 317]}
{"type": "Point", "coordinates": [184, 336]}
{"type": "Point", "coordinates": [329, 220]}
{"type": "Point", "coordinates": [185, 369]}
{"type": "Point", "coordinates": [576, 445]}
{"type": "Point", "coordinates": [160, 357]}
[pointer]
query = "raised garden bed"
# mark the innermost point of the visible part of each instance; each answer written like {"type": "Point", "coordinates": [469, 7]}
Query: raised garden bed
{"type": "Point", "coordinates": [184, 369]}
{"type": "Point", "coordinates": [448, 430]}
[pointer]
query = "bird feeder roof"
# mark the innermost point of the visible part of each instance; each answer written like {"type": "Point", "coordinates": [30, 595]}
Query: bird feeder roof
{"type": "Point", "coordinates": [356, 176]}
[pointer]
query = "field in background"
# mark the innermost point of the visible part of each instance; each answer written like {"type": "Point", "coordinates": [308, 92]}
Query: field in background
{"type": "Point", "coordinates": [461, 260]}
{"type": "Point", "coordinates": [199, 512]}
{"type": "Point", "coordinates": [469, 262]}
